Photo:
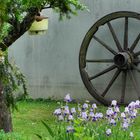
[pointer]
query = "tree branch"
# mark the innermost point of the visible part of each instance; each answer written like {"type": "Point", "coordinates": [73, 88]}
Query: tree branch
{"type": "Point", "coordinates": [47, 7]}
{"type": "Point", "coordinates": [14, 34]}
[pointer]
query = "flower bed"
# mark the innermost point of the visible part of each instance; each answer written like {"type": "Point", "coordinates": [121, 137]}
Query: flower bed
{"type": "Point", "coordinates": [85, 122]}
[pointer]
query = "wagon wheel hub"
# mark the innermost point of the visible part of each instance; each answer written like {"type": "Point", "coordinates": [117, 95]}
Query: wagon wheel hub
{"type": "Point", "coordinates": [123, 59]}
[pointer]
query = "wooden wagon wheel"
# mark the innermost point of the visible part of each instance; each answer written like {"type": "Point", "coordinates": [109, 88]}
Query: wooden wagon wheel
{"type": "Point", "coordinates": [123, 61]}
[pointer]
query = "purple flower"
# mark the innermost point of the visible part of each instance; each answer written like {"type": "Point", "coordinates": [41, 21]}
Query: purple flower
{"type": "Point", "coordinates": [99, 115]}
{"type": "Point", "coordinates": [131, 105]}
{"type": "Point", "coordinates": [66, 110]}
{"type": "Point", "coordinates": [112, 122]}
{"type": "Point", "coordinates": [123, 115]}
{"type": "Point", "coordinates": [67, 98]}
{"type": "Point", "coordinates": [91, 114]}
{"type": "Point", "coordinates": [70, 118]}
{"type": "Point", "coordinates": [125, 125]}
{"type": "Point", "coordinates": [94, 106]}
{"type": "Point", "coordinates": [85, 106]}
{"type": "Point", "coordinates": [109, 112]}
{"type": "Point", "coordinates": [91, 109]}
{"type": "Point", "coordinates": [84, 115]}
{"type": "Point", "coordinates": [73, 110]}
{"type": "Point", "coordinates": [133, 114]}
{"type": "Point", "coordinates": [127, 120]}
{"type": "Point", "coordinates": [94, 119]}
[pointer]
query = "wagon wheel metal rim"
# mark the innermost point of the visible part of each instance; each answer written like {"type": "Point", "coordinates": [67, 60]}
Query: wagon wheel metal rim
{"type": "Point", "coordinates": [125, 59]}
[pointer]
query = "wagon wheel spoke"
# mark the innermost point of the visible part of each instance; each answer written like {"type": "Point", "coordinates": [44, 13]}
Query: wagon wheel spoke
{"type": "Point", "coordinates": [126, 34]}
{"type": "Point", "coordinates": [124, 77]}
{"type": "Point", "coordinates": [135, 43]}
{"type": "Point", "coordinates": [136, 68]}
{"type": "Point", "coordinates": [99, 60]}
{"type": "Point", "coordinates": [136, 61]}
{"type": "Point", "coordinates": [134, 83]}
{"type": "Point", "coordinates": [103, 72]}
{"type": "Point", "coordinates": [111, 82]}
{"type": "Point", "coordinates": [137, 54]}
{"type": "Point", "coordinates": [114, 37]}
{"type": "Point", "coordinates": [105, 45]}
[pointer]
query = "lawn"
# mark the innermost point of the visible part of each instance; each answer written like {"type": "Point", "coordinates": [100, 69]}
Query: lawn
{"type": "Point", "coordinates": [27, 120]}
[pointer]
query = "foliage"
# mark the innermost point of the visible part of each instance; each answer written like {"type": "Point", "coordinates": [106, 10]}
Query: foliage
{"type": "Point", "coordinates": [11, 79]}
{"type": "Point", "coordinates": [12, 12]}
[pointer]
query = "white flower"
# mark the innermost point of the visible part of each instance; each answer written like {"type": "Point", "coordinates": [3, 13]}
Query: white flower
{"type": "Point", "coordinates": [131, 134]}
{"type": "Point", "coordinates": [114, 103]}
{"type": "Point", "coordinates": [123, 115]}
{"type": "Point", "coordinates": [126, 110]}
{"type": "Point", "coordinates": [108, 132]}
{"type": "Point", "coordinates": [67, 98]}
{"type": "Point", "coordinates": [136, 111]}
{"type": "Point", "coordinates": [116, 109]}
{"type": "Point", "coordinates": [137, 102]}
{"type": "Point", "coordinates": [60, 118]}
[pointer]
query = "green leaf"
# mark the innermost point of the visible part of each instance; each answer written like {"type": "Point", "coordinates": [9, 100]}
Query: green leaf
{"type": "Point", "coordinates": [40, 137]}
{"type": "Point", "coordinates": [48, 128]}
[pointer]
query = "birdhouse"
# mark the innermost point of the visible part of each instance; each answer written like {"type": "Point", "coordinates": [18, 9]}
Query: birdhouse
{"type": "Point", "coordinates": [39, 26]}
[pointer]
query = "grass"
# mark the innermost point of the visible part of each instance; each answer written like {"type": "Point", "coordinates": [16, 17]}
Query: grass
{"type": "Point", "coordinates": [27, 120]}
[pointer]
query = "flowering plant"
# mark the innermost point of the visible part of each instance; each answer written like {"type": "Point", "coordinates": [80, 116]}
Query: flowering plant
{"type": "Point", "coordinates": [87, 122]}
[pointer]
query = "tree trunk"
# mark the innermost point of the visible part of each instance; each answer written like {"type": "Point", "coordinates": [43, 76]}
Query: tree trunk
{"type": "Point", "coordinates": [5, 114]}
{"type": "Point", "coordinates": [17, 31]}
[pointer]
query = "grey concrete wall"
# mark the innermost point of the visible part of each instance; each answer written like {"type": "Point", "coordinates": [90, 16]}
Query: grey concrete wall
{"type": "Point", "coordinates": [50, 62]}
